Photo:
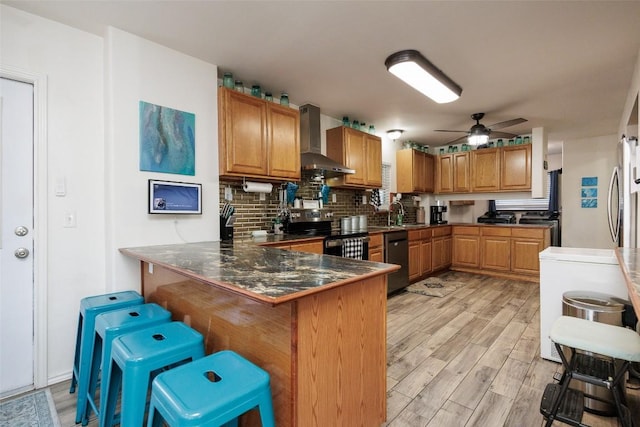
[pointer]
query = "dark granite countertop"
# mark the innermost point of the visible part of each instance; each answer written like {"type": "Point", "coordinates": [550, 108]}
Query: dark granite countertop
{"type": "Point", "coordinates": [265, 274]}
{"type": "Point", "coordinates": [629, 259]}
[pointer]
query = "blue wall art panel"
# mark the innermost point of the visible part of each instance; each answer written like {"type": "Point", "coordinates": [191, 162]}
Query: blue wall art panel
{"type": "Point", "coordinates": [167, 140]}
{"type": "Point", "coordinates": [589, 181]}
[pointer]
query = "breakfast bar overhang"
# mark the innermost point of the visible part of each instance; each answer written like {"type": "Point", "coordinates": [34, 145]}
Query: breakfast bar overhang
{"type": "Point", "coordinates": [316, 323]}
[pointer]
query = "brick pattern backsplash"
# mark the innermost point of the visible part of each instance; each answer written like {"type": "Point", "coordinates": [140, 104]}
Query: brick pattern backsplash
{"type": "Point", "coordinates": [254, 214]}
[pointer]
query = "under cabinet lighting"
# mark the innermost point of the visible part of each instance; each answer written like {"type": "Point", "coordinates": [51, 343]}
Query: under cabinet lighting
{"type": "Point", "coordinates": [416, 70]}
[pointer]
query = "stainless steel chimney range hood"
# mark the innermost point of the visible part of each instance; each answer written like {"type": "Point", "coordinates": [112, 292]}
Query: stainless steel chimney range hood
{"type": "Point", "coordinates": [311, 158]}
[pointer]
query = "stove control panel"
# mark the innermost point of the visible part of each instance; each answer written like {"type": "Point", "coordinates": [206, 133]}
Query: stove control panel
{"type": "Point", "coordinates": [309, 215]}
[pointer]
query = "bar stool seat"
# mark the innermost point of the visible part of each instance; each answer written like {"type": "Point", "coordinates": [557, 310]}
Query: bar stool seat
{"type": "Point", "coordinates": [136, 357]}
{"type": "Point", "coordinates": [615, 347]}
{"type": "Point", "coordinates": [211, 391]}
{"type": "Point", "coordinates": [90, 307]}
{"type": "Point", "coordinates": [108, 326]}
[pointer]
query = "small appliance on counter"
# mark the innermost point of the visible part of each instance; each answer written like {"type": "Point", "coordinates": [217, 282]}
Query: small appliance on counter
{"type": "Point", "coordinates": [497, 217]}
{"type": "Point", "coordinates": [435, 216]}
{"type": "Point", "coordinates": [420, 216]}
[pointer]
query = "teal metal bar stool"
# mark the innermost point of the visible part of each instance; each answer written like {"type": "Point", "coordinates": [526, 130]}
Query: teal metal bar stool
{"type": "Point", "coordinates": [610, 351]}
{"type": "Point", "coordinates": [136, 358]}
{"type": "Point", "coordinates": [110, 325]}
{"type": "Point", "coordinates": [90, 307]}
{"type": "Point", "coordinates": [211, 391]}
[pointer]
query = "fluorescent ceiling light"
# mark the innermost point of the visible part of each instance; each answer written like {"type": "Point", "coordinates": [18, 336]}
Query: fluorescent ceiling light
{"type": "Point", "coordinates": [416, 70]}
{"type": "Point", "coordinates": [394, 134]}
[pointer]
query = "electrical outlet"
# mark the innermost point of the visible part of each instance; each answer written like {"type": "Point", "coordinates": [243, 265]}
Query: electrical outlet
{"type": "Point", "coordinates": [364, 199]}
{"type": "Point", "coordinates": [263, 197]}
{"type": "Point", "coordinates": [334, 198]}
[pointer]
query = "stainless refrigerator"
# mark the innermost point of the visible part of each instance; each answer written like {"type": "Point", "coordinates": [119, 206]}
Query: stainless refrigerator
{"type": "Point", "coordinates": [622, 197]}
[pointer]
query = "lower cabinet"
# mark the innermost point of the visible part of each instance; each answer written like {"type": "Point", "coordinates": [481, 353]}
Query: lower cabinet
{"type": "Point", "coordinates": [429, 251]}
{"type": "Point", "coordinates": [508, 251]}
{"type": "Point", "coordinates": [376, 247]}
{"type": "Point", "coordinates": [466, 247]}
{"type": "Point", "coordinates": [495, 248]}
{"type": "Point", "coordinates": [314, 247]}
{"type": "Point", "coordinates": [525, 247]}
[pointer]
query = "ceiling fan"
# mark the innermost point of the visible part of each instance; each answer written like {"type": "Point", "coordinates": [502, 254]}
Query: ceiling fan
{"type": "Point", "coordinates": [479, 133]}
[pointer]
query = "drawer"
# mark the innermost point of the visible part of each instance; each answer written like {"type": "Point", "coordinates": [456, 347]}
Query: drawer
{"type": "Point", "coordinates": [531, 233]}
{"type": "Point", "coordinates": [414, 234]}
{"type": "Point", "coordinates": [441, 231]}
{"type": "Point", "coordinates": [469, 231]}
{"type": "Point", "coordinates": [497, 231]}
{"type": "Point", "coordinates": [375, 240]}
{"type": "Point", "coordinates": [425, 234]}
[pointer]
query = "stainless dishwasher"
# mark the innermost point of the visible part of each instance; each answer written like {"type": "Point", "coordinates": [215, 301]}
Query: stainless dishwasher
{"type": "Point", "coordinates": [396, 251]}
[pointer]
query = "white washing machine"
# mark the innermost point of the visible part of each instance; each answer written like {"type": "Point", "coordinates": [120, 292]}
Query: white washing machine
{"type": "Point", "coordinates": [573, 269]}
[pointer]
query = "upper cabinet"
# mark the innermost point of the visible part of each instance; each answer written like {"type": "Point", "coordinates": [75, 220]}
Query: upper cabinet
{"type": "Point", "coordinates": [415, 171]}
{"type": "Point", "coordinates": [516, 168]}
{"type": "Point", "coordinates": [357, 150]}
{"type": "Point", "coordinates": [453, 173]}
{"type": "Point", "coordinates": [485, 170]}
{"type": "Point", "coordinates": [257, 138]}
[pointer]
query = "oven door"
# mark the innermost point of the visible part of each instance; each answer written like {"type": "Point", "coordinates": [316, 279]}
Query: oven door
{"type": "Point", "coordinates": [335, 246]}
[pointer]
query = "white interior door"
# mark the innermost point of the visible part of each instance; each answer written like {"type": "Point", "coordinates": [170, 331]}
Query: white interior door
{"type": "Point", "coordinates": [16, 237]}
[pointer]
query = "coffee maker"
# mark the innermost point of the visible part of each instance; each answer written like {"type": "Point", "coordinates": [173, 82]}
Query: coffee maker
{"type": "Point", "coordinates": [436, 215]}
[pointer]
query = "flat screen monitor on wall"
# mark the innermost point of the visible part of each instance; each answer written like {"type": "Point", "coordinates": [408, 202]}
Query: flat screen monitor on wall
{"type": "Point", "coordinates": [170, 197]}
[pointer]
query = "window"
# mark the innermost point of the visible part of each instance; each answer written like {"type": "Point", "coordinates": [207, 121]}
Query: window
{"type": "Point", "coordinates": [386, 185]}
{"type": "Point", "coordinates": [525, 204]}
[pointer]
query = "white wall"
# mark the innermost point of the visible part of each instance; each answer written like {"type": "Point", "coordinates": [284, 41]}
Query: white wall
{"type": "Point", "coordinates": [586, 227]}
{"type": "Point", "coordinates": [138, 70]}
{"type": "Point", "coordinates": [94, 85]}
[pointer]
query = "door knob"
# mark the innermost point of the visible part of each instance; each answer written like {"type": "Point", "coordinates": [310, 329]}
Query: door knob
{"type": "Point", "coordinates": [21, 253]}
{"type": "Point", "coordinates": [21, 230]}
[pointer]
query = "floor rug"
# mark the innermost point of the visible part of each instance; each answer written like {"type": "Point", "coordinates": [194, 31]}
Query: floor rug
{"type": "Point", "coordinates": [32, 409]}
{"type": "Point", "coordinates": [434, 287]}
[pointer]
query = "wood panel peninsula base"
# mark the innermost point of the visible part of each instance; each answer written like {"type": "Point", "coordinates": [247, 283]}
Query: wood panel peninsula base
{"type": "Point", "coordinates": [316, 323]}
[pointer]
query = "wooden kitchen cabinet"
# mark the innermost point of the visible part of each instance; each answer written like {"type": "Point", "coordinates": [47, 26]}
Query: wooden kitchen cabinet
{"type": "Point", "coordinates": [311, 247]}
{"type": "Point", "coordinates": [414, 260]}
{"type": "Point", "coordinates": [441, 248]}
{"type": "Point", "coordinates": [503, 250]}
{"type": "Point", "coordinates": [376, 247]}
{"type": "Point", "coordinates": [466, 247]}
{"type": "Point", "coordinates": [357, 150]}
{"type": "Point", "coordinates": [496, 248]}
{"type": "Point", "coordinates": [256, 138]}
{"type": "Point", "coordinates": [453, 173]}
{"type": "Point", "coordinates": [415, 171]}
{"type": "Point", "coordinates": [515, 173]}
{"type": "Point", "coordinates": [526, 245]}
{"type": "Point", "coordinates": [485, 170]}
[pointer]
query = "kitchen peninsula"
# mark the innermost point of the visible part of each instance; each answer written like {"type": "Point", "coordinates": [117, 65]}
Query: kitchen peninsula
{"type": "Point", "coordinates": [316, 323]}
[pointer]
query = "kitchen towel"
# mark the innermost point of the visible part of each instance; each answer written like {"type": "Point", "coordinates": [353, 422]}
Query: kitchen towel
{"type": "Point", "coordinates": [352, 248]}
{"type": "Point", "coordinates": [375, 200]}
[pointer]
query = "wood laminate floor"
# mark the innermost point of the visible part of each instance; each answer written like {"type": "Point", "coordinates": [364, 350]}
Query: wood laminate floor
{"type": "Point", "coordinates": [468, 359]}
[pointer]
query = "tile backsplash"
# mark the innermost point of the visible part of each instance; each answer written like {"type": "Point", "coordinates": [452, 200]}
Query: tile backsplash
{"type": "Point", "coordinates": [255, 214]}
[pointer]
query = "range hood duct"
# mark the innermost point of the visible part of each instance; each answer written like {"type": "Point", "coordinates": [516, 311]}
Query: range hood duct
{"type": "Point", "coordinates": [311, 158]}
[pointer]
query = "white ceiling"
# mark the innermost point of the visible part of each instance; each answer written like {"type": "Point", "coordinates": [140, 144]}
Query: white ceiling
{"type": "Point", "coordinates": [565, 66]}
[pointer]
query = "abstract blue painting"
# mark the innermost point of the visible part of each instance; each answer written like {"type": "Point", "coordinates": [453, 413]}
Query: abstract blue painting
{"type": "Point", "coordinates": [167, 140]}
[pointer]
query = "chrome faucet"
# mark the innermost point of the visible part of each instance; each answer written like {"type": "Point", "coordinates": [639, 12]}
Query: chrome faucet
{"type": "Point", "coordinates": [400, 211]}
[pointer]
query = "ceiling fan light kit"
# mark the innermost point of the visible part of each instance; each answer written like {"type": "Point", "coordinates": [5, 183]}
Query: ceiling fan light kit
{"type": "Point", "coordinates": [394, 134]}
{"type": "Point", "coordinates": [479, 133]}
{"type": "Point", "coordinates": [416, 70]}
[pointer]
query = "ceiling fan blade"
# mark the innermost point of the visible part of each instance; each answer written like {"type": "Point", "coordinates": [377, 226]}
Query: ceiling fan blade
{"type": "Point", "coordinates": [507, 123]}
{"type": "Point", "coordinates": [456, 140]}
{"type": "Point", "coordinates": [493, 135]}
{"type": "Point", "coordinates": [446, 130]}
